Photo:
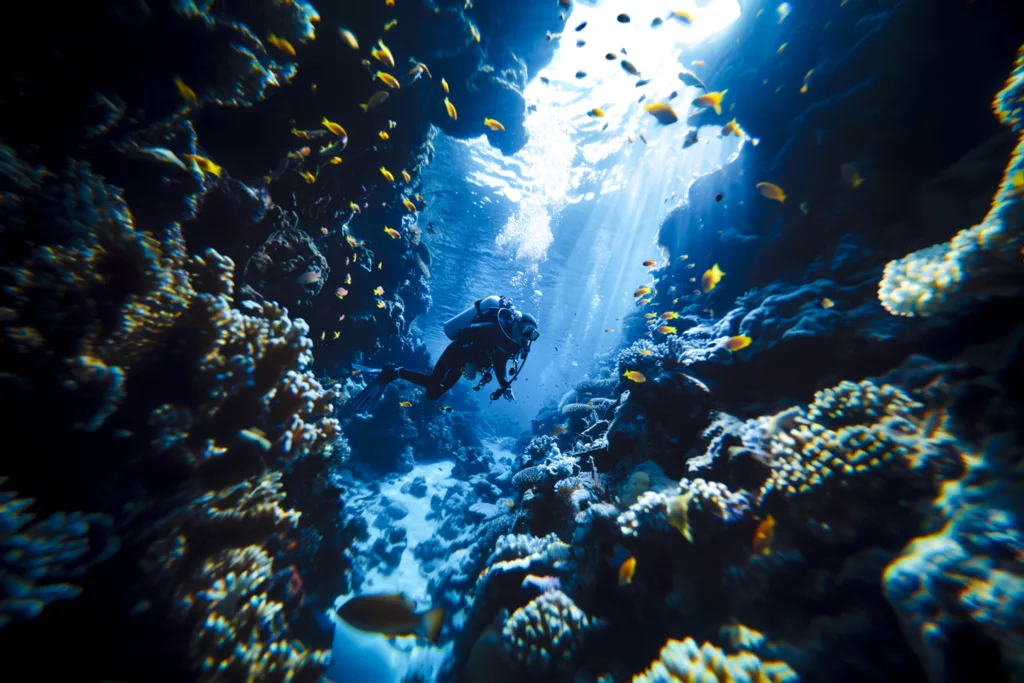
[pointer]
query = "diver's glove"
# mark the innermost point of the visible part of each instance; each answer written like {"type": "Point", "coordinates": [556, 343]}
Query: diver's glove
{"type": "Point", "coordinates": [506, 392]}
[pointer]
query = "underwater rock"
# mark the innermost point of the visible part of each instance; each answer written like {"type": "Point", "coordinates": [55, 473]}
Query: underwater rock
{"type": "Point", "coordinates": [287, 267]}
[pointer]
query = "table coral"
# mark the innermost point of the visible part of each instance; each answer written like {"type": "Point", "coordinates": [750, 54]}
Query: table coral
{"type": "Point", "coordinates": [683, 660]}
{"type": "Point", "coordinates": [978, 261]}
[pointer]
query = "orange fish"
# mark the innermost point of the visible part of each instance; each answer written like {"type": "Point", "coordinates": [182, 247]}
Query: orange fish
{"type": "Point", "coordinates": [712, 276]}
{"type": "Point", "coordinates": [626, 570]}
{"type": "Point", "coordinates": [649, 264]}
{"type": "Point", "coordinates": [281, 44]}
{"type": "Point", "coordinates": [740, 341]}
{"type": "Point", "coordinates": [711, 99]}
{"type": "Point", "coordinates": [764, 535]}
{"type": "Point", "coordinates": [558, 431]}
{"type": "Point", "coordinates": [827, 303]}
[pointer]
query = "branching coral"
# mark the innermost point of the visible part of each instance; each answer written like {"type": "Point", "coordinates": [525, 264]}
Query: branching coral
{"type": "Point", "coordinates": [683, 660]}
{"type": "Point", "coordinates": [980, 260]}
{"type": "Point", "coordinates": [546, 633]}
{"type": "Point", "coordinates": [848, 436]}
{"type": "Point", "coordinates": [37, 556]}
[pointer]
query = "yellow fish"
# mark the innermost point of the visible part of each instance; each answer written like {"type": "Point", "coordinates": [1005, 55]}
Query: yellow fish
{"type": "Point", "coordinates": [494, 124]}
{"type": "Point", "coordinates": [387, 79]}
{"type": "Point", "coordinates": [391, 24]}
{"type": "Point", "coordinates": [732, 128]}
{"type": "Point", "coordinates": [349, 38]}
{"type": "Point", "coordinates": [634, 376]}
{"type": "Point", "coordinates": [409, 205]}
{"type": "Point", "coordinates": [643, 302]}
{"type": "Point", "coordinates": [827, 303]}
{"type": "Point", "coordinates": [383, 135]}
{"type": "Point", "coordinates": [626, 570]}
{"type": "Point", "coordinates": [596, 112]}
{"type": "Point", "coordinates": [391, 232]}
{"type": "Point", "coordinates": [642, 291]}
{"type": "Point", "coordinates": [308, 177]}
{"type": "Point", "coordinates": [650, 316]}
{"type": "Point", "coordinates": [380, 304]}
{"type": "Point", "coordinates": [764, 535]}
{"type": "Point", "coordinates": [712, 276]}
{"type": "Point", "coordinates": [682, 16]}
{"type": "Point", "coordinates": [387, 174]}
{"type": "Point", "coordinates": [389, 3]}
{"type": "Point", "coordinates": [204, 164]}
{"type": "Point", "coordinates": [405, 404]}
{"type": "Point", "coordinates": [782, 48]}
{"type": "Point", "coordinates": [335, 160]}
{"type": "Point", "coordinates": [405, 176]}
{"type": "Point", "coordinates": [771, 191]}
{"type": "Point", "coordinates": [678, 514]}
{"type": "Point", "coordinates": [476, 33]}
{"type": "Point", "coordinates": [711, 99]}
{"type": "Point", "coordinates": [420, 199]}
{"type": "Point", "coordinates": [382, 54]}
{"type": "Point", "coordinates": [187, 93]}
{"type": "Point", "coordinates": [451, 109]}
{"type": "Point", "coordinates": [646, 352]}
{"type": "Point", "coordinates": [740, 341]}
{"type": "Point", "coordinates": [664, 113]}
{"type": "Point", "coordinates": [281, 44]}
{"type": "Point", "coordinates": [333, 127]}
{"type": "Point", "coordinates": [666, 330]}
{"type": "Point", "coordinates": [444, 86]}
{"type": "Point", "coordinates": [669, 315]}
{"type": "Point", "coordinates": [851, 175]}
{"type": "Point", "coordinates": [378, 291]}
{"type": "Point", "coordinates": [336, 335]}
{"type": "Point", "coordinates": [355, 209]}
{"type": "Point", "coordinates": [420, 68]}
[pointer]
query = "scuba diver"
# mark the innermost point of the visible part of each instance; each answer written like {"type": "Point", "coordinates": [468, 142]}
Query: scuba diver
{"type": "Point", "coordinates": [485, 338]}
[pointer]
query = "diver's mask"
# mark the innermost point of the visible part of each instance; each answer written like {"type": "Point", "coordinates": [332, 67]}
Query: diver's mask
{"type": "Point", "coordinates": [528, 328]}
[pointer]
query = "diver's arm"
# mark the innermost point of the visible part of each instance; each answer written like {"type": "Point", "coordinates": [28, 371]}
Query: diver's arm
{"type": "Point", "coordinates": [500, 361]}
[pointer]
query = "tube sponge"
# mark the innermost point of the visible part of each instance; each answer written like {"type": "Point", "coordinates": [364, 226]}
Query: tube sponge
{"type": "Point", "coordinates": [683, 660]}
{"type": "Point", "coordinates": [981, 260]}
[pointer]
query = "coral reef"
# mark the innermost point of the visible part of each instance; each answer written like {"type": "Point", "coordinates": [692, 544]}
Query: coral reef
{"type": "Point", "coordinates": [545, 633]}
{"type": "Point", "coordinates": [684, 660]}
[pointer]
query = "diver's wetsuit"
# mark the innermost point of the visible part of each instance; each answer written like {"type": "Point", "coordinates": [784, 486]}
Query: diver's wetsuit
{"type": "Point", "coordinates": [482, 344]}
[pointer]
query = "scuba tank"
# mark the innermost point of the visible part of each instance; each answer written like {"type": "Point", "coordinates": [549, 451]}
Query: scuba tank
{"type": "Point", "coordinates": [484, 308]}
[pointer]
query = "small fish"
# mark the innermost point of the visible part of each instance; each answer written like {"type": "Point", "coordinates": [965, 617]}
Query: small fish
{"type": "Point", "coordinates": [669, 315]}
{"type": "Point", "coordinates": [711, 99]}
{"type": "Point", "coordinates": [661, 111]}
{"type": "Point", "coordinates": [643, 302]}
{"type": "Point", "coordinates": [333, 127]}
{"type": "Point", "coordinates": [558, 431]}
{"type": "Point", "coordinates": [420, 199]}
{"type": "Point", "coordinates": [391, 24]}
{"type": "Point", "coordinates": [805, 208]}
{"type": "Point", "coordinates": [642, 291]}
{"type": "Point", "coordinates": [348, 279]}
{"type": "Point", "coordinates": [626, 570]}
{"type": "Point", "coordinates": [771, 191]}
{"type": "Point", "coordinates": [634, 376]}
{"type": "Point", "coordinates": [740, 341]}
{"type": "Point", "coordinates": [712, 276]}
{"type": "Point", "coordinates": [684, 17]}
{"type": "Point", "coordinates": [445, 409]}
{"type": "Point", "coordinates": [382, 54]}
{"type": "Point", "coordinates": [783, 11]}
{"type": "Point", "coordinates": [383, 135]}
{"type": "Point", "coordinates": [409, 205]}
{"type": "Point", "coordinates": [348, 37]}
{"type": "Point", "coordinates": [622, 18]}
{"type": "Point", "coordinates": [666, 330]}
{"type": "Point", "coordinates": [451, 109]}
{"type": "Point", "coordinates": [392, 125]}
{"type": "Point", "coordinates": [609, 329]}
{"type": "Point", "coordinates": [341, 292]}
{"type": "Point", "coordinates": [851, 176]}
{"type": "Point", "coordinates": [324, 231]}
{"type": "Point", "coordinates": [404, 404]}
{"type": "Point", "coordinates": [545, 80]}
{"type": "Point", "coordinates": [732, 128]}
{"type": "Point", "coordinates": [642, 82]}
{"type": "Point", "coordinates": [764, 535]}
{"type": "Point", "coordinates": [678, 514]}
{"type": "Point", "coordinates": [552, 37]}
{"type": "Point", "coordinates": [405, 176]}
{"type": "Point", "coordinates": [308, 278]}
{"type": "Point", "coordinates": [596, 112]}
{"type": "Point", "coordinates": [580, 27]}
{"type": "Point", "coordinates": [391, 615]}
{"type": "Point", "coordinates": [387, 79]}
{"type": "Point", "coordinates": [187, 93]}
{"type": "Point", "coordinates": [719, 197]}
{"type": "Point", "coordinates": [474, 31]}
{"type": "Point", "coordinates": [610, 56]}
{"type": "Point", "coordinates": [281, 44]}
{"type": "Point", "coordinates": [308, 177]}
{"type": "Point", "coordinates": [380, 304]}
{"type": "Point", "coordinates": [827, 303]}
{"type": "Point", "coordinates": [656, 22]}
{"type": "Point", "coordinates": [392, 233]}
{"type": "Point", "coordinates": [697, 63]}
{"type": "Point", "coordinates": [629, 68]}
{"type": "Point", "coordinates": [691, 139]}
{"type": "Point", "coordinates": [650, 316]}
{"type": "Point", "coordinates": [375, 100]}
{"type": "Point", "coordinates": [204, 164]}
{"type": "Point", "coordinates": [389, 3]}
{"type": "Point", "coordinates": [302, 134]}
{"type": "Point", "coordinates": [782, 48]}
{"type": "Point", "coordinates": [690, 78]}
{"type": "Point", "coordinates": [649, 263]}
{"type": "Point", "coordinates": [646, 352]}
{"type": "Point", "coordinates": [336, 335]}
{"type": "Point", "coordinates": [581, 74]}
{"type": "Point", "coordinates": [256, 437]}
{"type": "Point", "coordinates": [378, 291]}
{"type": "Point", "coordinates": [494, 124]}
{"type": "Point", "coordinates": [355, 209]}
{"type": "Point", "coordinates": [444, 86]}
{"type": "Point", "coordinates": [387, 175]}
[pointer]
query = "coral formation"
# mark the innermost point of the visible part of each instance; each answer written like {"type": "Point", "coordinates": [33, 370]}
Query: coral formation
{"type": "Point", "coordinates": [983, 260]}
{"type": "Point", "coordinates": [684, 660]}
{"type": "Point", "coordinates": [546, 633]}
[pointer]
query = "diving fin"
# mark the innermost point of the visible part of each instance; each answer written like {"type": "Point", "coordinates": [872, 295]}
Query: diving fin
{"type": "Point", "coordinates": [370, 394]}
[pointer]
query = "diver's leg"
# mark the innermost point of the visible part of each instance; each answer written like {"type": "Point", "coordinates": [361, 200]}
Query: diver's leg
{"type": "Point", "coordinates": [447, 371]}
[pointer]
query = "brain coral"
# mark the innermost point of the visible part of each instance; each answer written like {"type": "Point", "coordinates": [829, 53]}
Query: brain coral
{"type": "Point", "coordinates": [979, 260]}
{"type": "Point", "coordinates": [683, 660]}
